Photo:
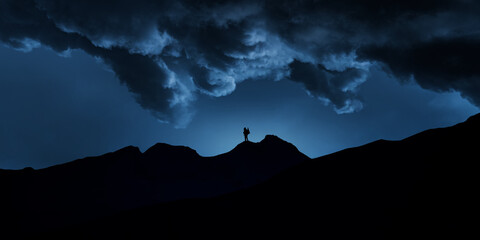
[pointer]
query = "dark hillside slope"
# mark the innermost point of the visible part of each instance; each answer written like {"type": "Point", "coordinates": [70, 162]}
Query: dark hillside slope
{"type": "Point", "coordinates": [423, 187]}
{"type": "Point", "coordinates": [85, 189]}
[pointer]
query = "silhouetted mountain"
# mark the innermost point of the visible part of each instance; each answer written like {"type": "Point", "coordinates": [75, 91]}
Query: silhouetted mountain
{"type": "Point", "coordinates": [422, 187]}
{"type": "Point", "coordinates": [85, 189]}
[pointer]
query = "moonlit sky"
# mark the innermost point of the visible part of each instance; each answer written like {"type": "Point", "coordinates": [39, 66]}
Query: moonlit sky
{"type": "Point", "coordinates": [77, 83]}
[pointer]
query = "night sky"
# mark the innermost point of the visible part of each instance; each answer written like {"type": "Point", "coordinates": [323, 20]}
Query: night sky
{"type": "Point", "coordinates": [81, 78]}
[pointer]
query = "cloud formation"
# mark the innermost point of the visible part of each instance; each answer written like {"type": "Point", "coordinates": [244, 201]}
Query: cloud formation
{"type": "Point", "coordinates": [167, 52]}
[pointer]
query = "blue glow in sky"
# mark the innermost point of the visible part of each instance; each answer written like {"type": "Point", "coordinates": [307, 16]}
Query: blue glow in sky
{"type": "Point", "coordinates": [83, 77]}
{"type": "Point", "coordinates": [55, 109]}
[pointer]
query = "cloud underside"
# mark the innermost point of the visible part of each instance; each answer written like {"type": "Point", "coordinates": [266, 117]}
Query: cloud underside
{"type": "Point", "coordinates": [168, 52]}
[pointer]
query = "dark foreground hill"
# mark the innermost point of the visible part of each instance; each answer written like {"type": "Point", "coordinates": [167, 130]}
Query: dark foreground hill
{"type": "Point", "coordinates": [83, 190]}
{"type": "Point", "coordinates": [423, 187]}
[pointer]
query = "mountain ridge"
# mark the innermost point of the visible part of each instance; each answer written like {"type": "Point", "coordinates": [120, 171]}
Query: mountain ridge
{"type": "Point", "coordinates": [421, 187]}
{"type": "Point", "coordinates": [380, 190]}
{"type": "Point", "coordinates": [92, 187]}
{"type": "Point", "coordinates": [162, 147]}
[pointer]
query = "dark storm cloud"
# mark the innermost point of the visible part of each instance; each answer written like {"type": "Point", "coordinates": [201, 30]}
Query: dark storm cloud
{"type": "Point", "coordinates": [166, 52]}
{"type": "Point", "coordinates": [441, 64]}
{"type": "Point", "coordinates": [23, 26]}
{"type": "Point", "coordinates": [337, 86]}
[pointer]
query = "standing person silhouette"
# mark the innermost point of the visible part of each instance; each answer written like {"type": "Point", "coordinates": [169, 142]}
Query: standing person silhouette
{"type": "Point", "coordinates": [246, 131]}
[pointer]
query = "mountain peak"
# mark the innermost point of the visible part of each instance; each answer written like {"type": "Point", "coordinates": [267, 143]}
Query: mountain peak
{"type": "Point", "coordinates": [272, 139]}
{"type": "Point", "coordinates": [269, 138]}
{"type": "Point", "coordinates": [163, 149]}
{"type": "Point", "coordinates": [128, 150]}
{"type": "Point", "coordinates": [271, 146]}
